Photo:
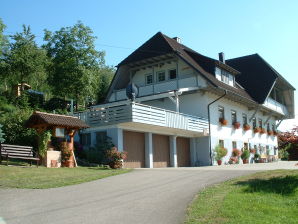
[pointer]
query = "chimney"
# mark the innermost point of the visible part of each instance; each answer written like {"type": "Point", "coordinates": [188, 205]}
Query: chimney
{"type": "Point", "coordinates": [178, 39]}
{"type": "Point", "coordinates": [221, 57]}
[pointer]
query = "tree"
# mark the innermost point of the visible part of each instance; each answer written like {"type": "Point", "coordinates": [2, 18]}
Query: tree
{"type": "Point", "coordinates": [1, 135]}
{"type": "Point", "coordinates": [288, 143]}
{"type": "Point", "coordinates": [3, 50]}
{"type": "Point", "coordinates": [76, 62]}
{"type": "Point", "coordinates": [25, 61]}
{"type": "Point", "coordinates": [105, 78]}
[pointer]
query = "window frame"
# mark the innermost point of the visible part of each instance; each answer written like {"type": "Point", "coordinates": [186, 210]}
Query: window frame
{"type": "Point", "coordinates": [157, 76]}
{"type": "Point", "coordinates": [219, 112]}
{"type": "Point", "coordinates": [234, 143]}
{"type": "Point", "coordinates": [169, 75]}
{"type": "Point", "coordinates": [233, 116]}
{"type": "Point", "coordinates": [245, 121]}
{"type": "Point", "coordinates": [149, 74]}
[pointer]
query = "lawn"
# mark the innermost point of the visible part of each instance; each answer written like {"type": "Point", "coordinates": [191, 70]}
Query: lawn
{"type": "Point", "coordinates": [266, 197]}
{"type": "Point", "coordinates": [41, 177]}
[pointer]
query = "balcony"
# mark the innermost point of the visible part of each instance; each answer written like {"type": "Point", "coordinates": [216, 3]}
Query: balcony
{"type": "Point", "coordinates": [276, 106]}
{"type": "Point", "coordinates": [157, 88]}
{"type": "Point", "coordinates": [135, 115]}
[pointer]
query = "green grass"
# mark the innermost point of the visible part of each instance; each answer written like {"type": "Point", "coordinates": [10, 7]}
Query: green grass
{"type": "Point", "coordinates": [266, 197]}
{"type": "Point", "coordinates": [41, 177]}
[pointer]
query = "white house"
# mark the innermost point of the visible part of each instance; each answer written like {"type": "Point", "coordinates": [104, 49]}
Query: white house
{"type": "Point", "coordinates": [182, 95]}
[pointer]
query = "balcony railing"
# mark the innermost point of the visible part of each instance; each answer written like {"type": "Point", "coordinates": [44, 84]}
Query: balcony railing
{"type": "Point", "coordinates": [140, 113]}
{"type": "Point", "coordinates": [276, 106]}
{"type": "Point", "coordinates": [157, 88]}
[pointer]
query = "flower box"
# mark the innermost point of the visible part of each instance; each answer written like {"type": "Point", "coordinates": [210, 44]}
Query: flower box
{"type": "Point", "coordinates": [275, 133]}
{"type": "Point", "coordinates": [262, 131]}
{"type": "Point", "coordinates": [257, 130]}
{"type": "Point", "coordinates": [236, 125]}
{"type": "Point", "coordinates": [223, 121]}
{"type": "Point", "coordinates": [246, 127]}
{"type": "Point", "coordinates": [270, 132]}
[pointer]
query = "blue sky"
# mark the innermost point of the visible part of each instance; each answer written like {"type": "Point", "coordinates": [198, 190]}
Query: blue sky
{"type": "Point", "coordinates": [238, 28]}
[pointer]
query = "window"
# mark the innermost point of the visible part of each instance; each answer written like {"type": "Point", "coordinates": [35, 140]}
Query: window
{"type": "Point", "coordinates": [268, 126]}
{"type": "Point", "coordinates": [224, 77]}
{"type": "Point", "coordinates": [172, 74]}
{"type": "Point", "coordinates": [260, 123]}
{"type": "Point", "coordinates": [101, 137]}
{"type": "Point", "coordinates": [273, 127]}
{"type": "Point", "coordinates": [233, 116]}
{"type": "Point", "coordinates": [161, 76]}
{"type": "Point", "coordinates": [221, 112]}
{"type": "Point", "coordinates": [149, 79]}
{"type": "Point", "coordinates": [234, 144]}
{"type": "Point", "coordinates": [254, 122]}
{"type": "Point", "coordinates": [221, 143]}
{"type": "Point", "coordinates": [60, 132]}
{"type": "Point", "coordinates": [244, 118]}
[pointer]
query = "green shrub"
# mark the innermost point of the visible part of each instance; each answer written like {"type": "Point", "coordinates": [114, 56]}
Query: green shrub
{"type": "Point", "coordinates": [15, 131]}
{"type": "Point", "coordinates": [44, 138]}
{"type": "Point", "coordinates": [1, 135]}
{"type": "Point", "coordinates": [220, 152]}
{"type": "Point", "coordinates": [245, 154]}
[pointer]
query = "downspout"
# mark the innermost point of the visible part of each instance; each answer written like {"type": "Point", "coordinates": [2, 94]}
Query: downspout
{"type": "Point", "coordinates": [208, 107]}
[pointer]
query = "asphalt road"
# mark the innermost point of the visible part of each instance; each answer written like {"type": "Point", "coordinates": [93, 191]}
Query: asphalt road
{"type": "Point", "coordinates": [141, 196]}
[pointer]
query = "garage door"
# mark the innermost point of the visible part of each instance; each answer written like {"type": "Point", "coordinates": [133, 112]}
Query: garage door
{"type": "Point", "coordinates": [161, 151]}
{"type": "Point", "coordinates": [134, 145]}
{"type": "Point", "coordinates": [183, 152]}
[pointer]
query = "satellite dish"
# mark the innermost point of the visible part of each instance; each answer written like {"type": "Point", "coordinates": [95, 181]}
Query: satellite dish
{"type": "Point", "coordinates": [132, 91]}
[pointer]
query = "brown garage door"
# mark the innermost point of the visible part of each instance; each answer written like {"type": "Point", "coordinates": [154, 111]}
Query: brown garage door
{"type": "Point", "coordinates": [161, 151]}
{"type": "Point", "coordinates": [134, 145]}
{"type": "Point", "coordinates": [183, 152]}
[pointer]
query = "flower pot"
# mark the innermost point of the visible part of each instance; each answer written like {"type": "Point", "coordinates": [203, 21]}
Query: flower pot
{"type": "Point", "coordinates": [223, 121]}
{"type": "Point", "coordinates": [245, 161]}
{"type": "Point", "coordinates": [219, 162]}
{"type": "Point", "coordinates": [246, 127]}
{"type": "Point", "coordinates": [236, 125]}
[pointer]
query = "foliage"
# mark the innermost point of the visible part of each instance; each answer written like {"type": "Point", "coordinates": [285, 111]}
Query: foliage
{"type": "Point", "coordinates": [65, 152]}
{"type": "Point", "coordinates": [15, 131]}
{"type": "Point", "coordinates": [43, 140]}
{"type": "Point", "coordinates": [42, 177]}
{"type": "Point", "coordinates": [1, 134]}
{"type": "Point", "coordinates": [257, 156]}
{"type": "Point", "coordinates": [76, 63]}
{"type": "Point", "coordinates": [245, 154]}
{"type": "Point", "coordinates": [236, 153]}
{"type": "Point", "coordinates": [220, 152]}
{"type": "Point", "coordinates": [249, 199]}
{"type": "Point", "coordinates": [25, 61]}
{"type": "Point", "coordinates": [115, 158]}
{"type": "Point", "coordinates": [288, 144]}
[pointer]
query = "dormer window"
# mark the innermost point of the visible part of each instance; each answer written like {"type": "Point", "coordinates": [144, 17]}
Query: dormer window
{"type": "Point", "coordinates": [172, 74]}
{"type": "Point", "coordinates": [161, 76]}
{"type": "Point", "coordinates": [224, 76]}
{"type": "Point", "coordinates": [149, 79]}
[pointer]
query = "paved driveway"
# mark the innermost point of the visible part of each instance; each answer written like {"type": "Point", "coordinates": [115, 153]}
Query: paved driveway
{"type": "Point", "coordinates": [142, 196]}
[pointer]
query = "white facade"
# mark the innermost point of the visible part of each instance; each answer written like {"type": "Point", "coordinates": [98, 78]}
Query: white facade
{"type": "Point", "coordinates": [158, 114]}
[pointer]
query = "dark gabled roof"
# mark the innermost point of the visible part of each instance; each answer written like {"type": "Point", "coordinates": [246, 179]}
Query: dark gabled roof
{"type": "Point", "coordinates": [41, 118]}
{"type": "Point", "coordinates": [257, 76]}
{"type": "Point", "coordinates": [161, 44]}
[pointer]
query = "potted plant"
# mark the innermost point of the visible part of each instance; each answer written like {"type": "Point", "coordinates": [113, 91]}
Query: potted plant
{"type": "Point", "coordinates": [236, 153]}
{"type": "Point", "coordinates": [270, 132]}
{"type": "Point", "coordinates": [245, 155]}
{"type": "Point", "coordinates": [257, 157]}
{"type": "Point", "coordinates": [262, 130]}
{"type": "Point", "coordinates": [65, 155]}
{"type": "Point", "coordinates": [220, 152]}
{"type": "Point", "coordinates": [257, 130]}
{"type": "Point", "coordinates": [115, 158]}
{"type": "Point", "coordinates": [246, 127]}
{"type": "Point", "coordinates": [236, 125]}
{"type": "Point", "coordinates": [223, 121]}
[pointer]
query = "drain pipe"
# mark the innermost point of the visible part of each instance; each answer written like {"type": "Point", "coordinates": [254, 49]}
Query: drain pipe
{"type": "Point", "coordinates": [208, 107]}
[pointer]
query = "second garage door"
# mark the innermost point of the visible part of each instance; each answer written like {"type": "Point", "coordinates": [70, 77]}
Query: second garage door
{"type": "Point", "coordinates": [134, 145]}
{"type": "Point", "coordinates": [161, 151]}
{"type": "Point", "coordinates": [183, 152]}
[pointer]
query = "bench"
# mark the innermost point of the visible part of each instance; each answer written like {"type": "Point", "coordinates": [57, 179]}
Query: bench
{"type": "Point", "coordinates": [18, 152]}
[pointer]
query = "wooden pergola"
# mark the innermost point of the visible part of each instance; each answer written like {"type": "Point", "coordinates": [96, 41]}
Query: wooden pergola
{"type": "Point", "coordinates": [60, 125]}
